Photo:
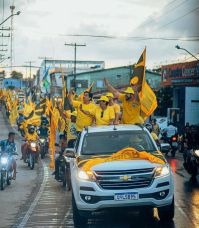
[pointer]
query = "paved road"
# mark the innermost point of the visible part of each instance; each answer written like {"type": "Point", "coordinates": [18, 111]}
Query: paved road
{"type": "Point", "coordinates": [37, 200]}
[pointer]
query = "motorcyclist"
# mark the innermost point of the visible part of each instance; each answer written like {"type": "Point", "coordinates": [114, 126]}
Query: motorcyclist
{"type": "Point", "coordinates": [44, 120]}
{"type": "Point", "coordinates": [9, 146]}
{"type": "Point", "coordinates": [30, 135]}
{"type": "Point", "coordinates": [170, 130]}
{"type": "Point", "coordinates": [43, 131]}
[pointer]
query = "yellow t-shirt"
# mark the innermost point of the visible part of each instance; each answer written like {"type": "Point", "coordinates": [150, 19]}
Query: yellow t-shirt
{"type": "Point", "coordinates": [71, 130]}
{"type": "Point", "coordinates": [31, 137]}
{"type": "Point", "coordinates": [116, 108]}
{"type": "Point", "coordinates": [131, 111]}
{"type": "Point", "coordinates": [154, 136]}
{"type": "Point", "coordinates": [103, 117]}
{"type": "Point", "coordinates": [83, 120]}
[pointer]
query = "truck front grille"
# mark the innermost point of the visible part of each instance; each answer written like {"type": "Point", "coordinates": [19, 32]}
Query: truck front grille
{"type": "Point", "coordinates": [125, 179]}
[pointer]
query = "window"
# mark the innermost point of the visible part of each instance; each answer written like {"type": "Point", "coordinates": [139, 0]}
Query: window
{"type": "Point", "coordinates": [100, 84]}
{"type": "Point", "coordinates": [111, 142]}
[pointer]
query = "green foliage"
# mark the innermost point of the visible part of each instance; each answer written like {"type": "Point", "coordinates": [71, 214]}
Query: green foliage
{"type": "Point", "coordinates": [165, 98]}
{"type": "Point", "coordinates": [16, 75]}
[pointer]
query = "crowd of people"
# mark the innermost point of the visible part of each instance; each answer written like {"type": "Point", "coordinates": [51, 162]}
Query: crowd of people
{"type": "Point", "coordinates": [111, 108]}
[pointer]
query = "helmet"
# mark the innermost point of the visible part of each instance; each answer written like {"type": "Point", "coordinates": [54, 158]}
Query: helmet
{"type": "Point", "coordinates": [31, 129]}
{"type": "Point", "coordinates": [129, 90]}
{"type": "Point", "coordinates": [74, 113]}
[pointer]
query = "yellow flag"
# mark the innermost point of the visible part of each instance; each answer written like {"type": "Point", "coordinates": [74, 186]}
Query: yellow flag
{"type": "Point", "coordinates": [146, 95]}
{"type": "Point", "coordinates": [80, 97]}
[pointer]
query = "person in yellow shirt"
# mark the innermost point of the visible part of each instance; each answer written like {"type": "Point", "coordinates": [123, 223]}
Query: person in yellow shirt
{"type": "Point", "coordinates": [30, 135]}
{"type": "Point", "coordinates": [83, 109]}
{"type": "Point", "coordinates": [115, 106]}
{"type": "Point", "coordinates": [71, 129]}
{"type": "Point", "coordinates": [130, 104]}
{"type": "Point", "coordinates": [104, 114]}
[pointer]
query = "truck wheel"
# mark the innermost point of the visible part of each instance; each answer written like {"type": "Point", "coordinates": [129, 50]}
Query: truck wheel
{"type": "Point", "coordinates": [79, 221]}
{"type": "Point", "coordinates": [167, 213]}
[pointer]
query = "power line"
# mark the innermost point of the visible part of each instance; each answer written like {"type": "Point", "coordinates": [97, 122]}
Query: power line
{"type": "Point", "coordinates": [174, 8]}
{"type": "Point", "coordinates": [171, 10]}
{"type": "Point", "coordinates": [171, 22]}
{"type": "Point", "coordinates": [189, 38]}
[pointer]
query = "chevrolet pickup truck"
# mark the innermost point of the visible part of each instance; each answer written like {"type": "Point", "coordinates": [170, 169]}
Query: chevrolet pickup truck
{"type": "Point", "coordinates": [101, 180]}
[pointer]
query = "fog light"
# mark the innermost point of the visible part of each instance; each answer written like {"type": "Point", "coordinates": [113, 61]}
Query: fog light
{"type": "Point", "coordinates": [162, 194]}
{"type": "Point", "coordinates": [87, 198]}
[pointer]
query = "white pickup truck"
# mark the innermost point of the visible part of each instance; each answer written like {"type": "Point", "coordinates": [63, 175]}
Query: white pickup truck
{"type": "Point", "coordinates": [122, 184]}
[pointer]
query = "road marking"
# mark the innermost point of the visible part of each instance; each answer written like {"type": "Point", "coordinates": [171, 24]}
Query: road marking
{"type": "Point", "coordinates": [180, 209]}
{"type": "Point", "coordinates": [65, 217]}
{"type": "Point", "coordinates": [35, 202]}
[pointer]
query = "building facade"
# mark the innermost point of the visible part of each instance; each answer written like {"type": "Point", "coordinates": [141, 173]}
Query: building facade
{"type": "Point", "coordinates": [14, 83]}
{"type": "Point", "coordinates": [183, 78]}
{"type": "Point", "coordinates": [119, 77]}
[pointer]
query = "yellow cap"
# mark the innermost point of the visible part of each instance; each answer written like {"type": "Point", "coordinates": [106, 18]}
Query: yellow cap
{"type": "Point", "coordinates": [109, 95]}
{"type": "Point", "coordinates": [129, 90]}
{"type": "Point", "coordinates": [134, 80]}
{"type": "Point", "coordinates": [74, 113]}
{"type": "Point", "coordinates": [103, 98]}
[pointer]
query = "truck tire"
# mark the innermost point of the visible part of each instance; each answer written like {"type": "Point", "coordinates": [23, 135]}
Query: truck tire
{"type": "Point", "coordinates": [79, 221]}
{"type": "Point", "coordinates": [167, 213]}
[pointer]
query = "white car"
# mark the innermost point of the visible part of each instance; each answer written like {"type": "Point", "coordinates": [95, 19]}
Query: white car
{"type": "Point", "coordinates": [119, 183]}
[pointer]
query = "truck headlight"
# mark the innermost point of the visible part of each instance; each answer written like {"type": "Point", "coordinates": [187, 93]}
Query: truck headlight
{"type": "Point", "coordinates": [4, 160]}
{"type": "Point", "coordinates": [196, 153]}
{"type": "Point", "coordinates": [86, 175]}
{"type": "Point", "coordinates": [161, 171]}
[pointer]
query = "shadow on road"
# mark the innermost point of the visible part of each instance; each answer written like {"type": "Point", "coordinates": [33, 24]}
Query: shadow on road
{"type": "Point", "coordinates": [132, 220]}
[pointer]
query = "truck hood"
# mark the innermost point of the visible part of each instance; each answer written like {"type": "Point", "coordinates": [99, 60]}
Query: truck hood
{"type": "Point", "coordinates": [125, 165]}
{"type": "Point", "coordinates": [118, 165]}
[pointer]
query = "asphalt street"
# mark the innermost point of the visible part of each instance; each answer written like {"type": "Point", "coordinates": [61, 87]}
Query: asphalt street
{"type": "Point", "coordinates": [35, 199]}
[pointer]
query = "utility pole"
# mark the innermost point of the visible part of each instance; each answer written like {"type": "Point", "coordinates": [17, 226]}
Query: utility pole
{"type": "Point", "coordinates": [45, 60]}
{"type": "Point", "coordinates": [75, 58]}
{"type": "Point", "coordinates": [11, 37]}
{"type": "Point", "coordinates": [30, 71]}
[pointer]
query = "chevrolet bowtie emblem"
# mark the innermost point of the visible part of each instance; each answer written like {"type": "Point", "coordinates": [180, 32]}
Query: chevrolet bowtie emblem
{"type": "Point", "coordinates": [125, 178]}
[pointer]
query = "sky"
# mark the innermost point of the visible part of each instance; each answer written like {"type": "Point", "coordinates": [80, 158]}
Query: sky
{"type": "Point", "coordinates": [43, 27]}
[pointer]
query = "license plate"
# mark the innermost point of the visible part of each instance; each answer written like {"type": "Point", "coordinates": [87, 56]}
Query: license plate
{"type": "Point", "coordinates": [126, 196]}
{"type": "Point", "coordinates": [174, 144]}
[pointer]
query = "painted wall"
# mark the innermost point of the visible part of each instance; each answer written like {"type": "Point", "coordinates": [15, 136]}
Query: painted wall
{"type": "Point", "coordinates": [192, 105]}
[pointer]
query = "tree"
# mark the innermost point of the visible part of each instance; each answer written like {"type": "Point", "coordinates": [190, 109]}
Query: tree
{"type": "Point", "coordinates": [164, 97]}
{"type": "Point", "coordinates": [16, 75]}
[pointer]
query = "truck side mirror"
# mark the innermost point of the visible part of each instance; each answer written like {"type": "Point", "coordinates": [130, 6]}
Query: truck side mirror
{"type": "Point", "coordinates": [70, 153]}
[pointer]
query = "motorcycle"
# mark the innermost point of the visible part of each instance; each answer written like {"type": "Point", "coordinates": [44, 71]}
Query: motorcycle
{"type": "Point", "coordinates": [191, 162]}
{"type": "Point", "coordinates": [64, 170]}
{"type": "Point", "coordinates": [171, 142]}
{"type": "Point", "coordinates": [43, 147]}
{"type": "Point", "coordinates": [32, 154]}
{"type": "Point", "coordinates": [174, 144]}
{"type": "Point", "coordinates": [6, 173]}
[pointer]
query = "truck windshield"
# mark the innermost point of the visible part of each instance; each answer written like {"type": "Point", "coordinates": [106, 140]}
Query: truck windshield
{"type": "Point", "coordinates": [110, 142]}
